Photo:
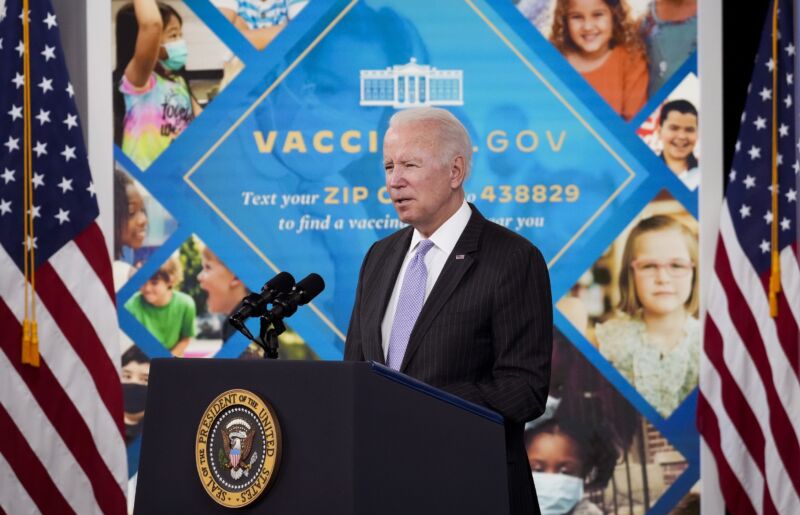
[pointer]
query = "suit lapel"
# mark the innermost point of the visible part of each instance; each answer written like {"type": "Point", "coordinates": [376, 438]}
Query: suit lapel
{"type": "Point", "coordinates": [379, 300]}
{"type": "Point", "coordinates": [454, 269]}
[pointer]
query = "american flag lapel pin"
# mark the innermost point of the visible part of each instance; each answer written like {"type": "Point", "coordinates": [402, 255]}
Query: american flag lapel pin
{"type": "Point", "coordinates": [459, 256]}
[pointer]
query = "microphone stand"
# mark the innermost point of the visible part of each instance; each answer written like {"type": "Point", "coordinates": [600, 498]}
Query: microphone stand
{"type": "Point", "coordinates": [268, 335]}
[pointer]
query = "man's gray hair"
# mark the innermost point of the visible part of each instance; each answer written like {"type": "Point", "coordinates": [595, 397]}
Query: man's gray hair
{"type": "Point", "coordinates": [452, 134]}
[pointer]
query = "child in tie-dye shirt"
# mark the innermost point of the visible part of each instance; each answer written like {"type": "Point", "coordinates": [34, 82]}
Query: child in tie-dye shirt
{"type": "Point", "coordinates": [157, 102]}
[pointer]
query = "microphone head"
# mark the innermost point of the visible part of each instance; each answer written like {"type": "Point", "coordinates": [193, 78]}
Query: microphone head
{"type": "Point", "coordinates": [311, 286]}
{"type": "Point", "coordinates": [281, 283]}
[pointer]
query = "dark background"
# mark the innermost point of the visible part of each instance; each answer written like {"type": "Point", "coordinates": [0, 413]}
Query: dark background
{"type": "Point", "coordinates": [741, 32]}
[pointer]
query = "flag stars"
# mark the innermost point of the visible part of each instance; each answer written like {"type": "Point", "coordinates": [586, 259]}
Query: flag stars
{"type": "Point", "coordinates": [48, 53]}
{"type": "Point", "coordinates": [788, 101]}
{"type": "Point", "coordinates": [789, 49]}
{"type": "Point", "coordinates": [68, 153]}
{"type": "Point", "coordinates": [8, 176]}
{"type": "Point", "coordinates": [786, 224]}
{"type": "Point", "coordinates": [770, 64]}
{"type": "Point", "coordinates": [789, 79]}
{"type": "Point", "coordinates": [12, 144]}
{"type": "Point", "coordinates": [50, 20]}
{"type": "Point", "coordinates": [15, 112]}
{"type": "Point", "coordinates": [738, 146]}
{"type": "Point", "coordinates": [791, 195]}
{"type": "Point", "coordinates": [768, 217]}
{"type": "Point", "coordinates": [743, 117]}
{"type": "Point", "coordinates": [40, 148]}
{"type": "Point", "coordinates": [18, 80]}
{"type": "Point", "coordinates": [43, 117]}
{"type": "Point", "coordinates": [5, 206]}
{"type": "Point", "coordinates": [91, 190]}
{"type": "Point", "coordinates": [69, 90]}
{"type": "Point", "coordinates": [38, 180]}
{"type": "Point", "coordinates": [744, 211]}
{"type": "Point", "coordinates": [46, 85]}
{"type": "Point", "coordinates": [765, 94]}
{"type": "Point", "coordinates": [20, 48]}
{"type": "Point", "coordinates": [783, 130]}
{"type": "Point", "coordinates": [35, 212]}
{"type": "Point", "coordinates": [732, 176]}
{"type": "Point", "coordinates": [30, 242]}
{"type": "Point", "coordinates": [760, 123]}
{"type": "Point", "coordinates": [71, 121]}
{"type": "Point", "coordinates": [62, 216]}
{"type": "Point", "coordinates": [749, 182]}
{"type": "Point", "coordinates": [779, 158]}
{"type": "Point", "coordinates": [796, 167]}
{"type": "Point", "coordinates": [754, 152]}
{"type": "Point", "coordinates": [764, 246]}
{"type": "Point", "coordinates": [65, 185]}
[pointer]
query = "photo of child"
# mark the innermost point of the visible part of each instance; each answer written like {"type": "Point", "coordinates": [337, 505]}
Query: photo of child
{"type": "Point", "coordinates": [153, 100]}
{"type": "Point", "coordinates": [677, 129]}
{"type": "Point", "coordinates": [168, 314]}
{"type": "Point", "coordinates": [646, 323]}
{"type": "Point", "coordinates": [130, 226]}
{"type": "Point", "coordinates": [591, 452]}
{"type": "Point", "coordinates": [224, 290]}
{"type": "Point", "coordinates": [566, 457]}
{"type": "Point", "coordinates": [669, 30]}
{"type": "Point", "coordinates": [141, 225]}
{"type": "Point", "coordinates": [134, 377]}
{"type": "Point", "coordinates": [599, 39]}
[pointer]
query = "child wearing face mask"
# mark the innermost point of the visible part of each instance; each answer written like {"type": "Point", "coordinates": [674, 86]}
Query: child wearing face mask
{"type": "Point", "coordinates": [599, 39]}
{"type": "Point", "coordinates": [654, 341]}
{"type": "Point", "coordinates": [154, 103]}
{"type": "Point", "coordinates": [567, 457]}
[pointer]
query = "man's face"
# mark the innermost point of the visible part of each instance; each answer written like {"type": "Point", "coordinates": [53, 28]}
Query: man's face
{"type": "Point", "coordinates": [424, 189]}
{"type": "Point", "coordinates": [679, 135]}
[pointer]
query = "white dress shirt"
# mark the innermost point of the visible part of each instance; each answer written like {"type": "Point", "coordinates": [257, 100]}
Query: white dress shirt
{"type": "Point", "coordinates": [444, 241]}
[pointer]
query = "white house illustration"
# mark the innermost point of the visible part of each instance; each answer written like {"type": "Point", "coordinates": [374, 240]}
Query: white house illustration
{"type": "Point", "coordinates": [412, 85]}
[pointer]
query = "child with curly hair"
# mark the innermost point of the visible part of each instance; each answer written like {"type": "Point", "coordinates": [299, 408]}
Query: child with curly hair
{"type": "Point", "coordinates": [600, 40]}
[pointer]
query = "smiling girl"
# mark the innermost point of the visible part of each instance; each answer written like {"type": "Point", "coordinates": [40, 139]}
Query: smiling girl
{"type": "Point", "coordinates": [600, 41]}
{"type": "Point", "coordinates": [655, 341]}
{"type": "Point", "coordinates": [151, 56]}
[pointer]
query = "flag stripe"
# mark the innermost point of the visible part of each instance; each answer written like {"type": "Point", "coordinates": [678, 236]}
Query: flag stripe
{"type": "Point", "coordinates": [731, 363]}
{"type": "Point", "coordinates": [13, 496]}
{"type": "Point", "coordinates": [745, 324]}
{"type": "Point", "coordinates": [732, 489]}
{"type": "Point", "coordinates": [90, 295]}
{"type": "Point", "coordinates": [71, 373]}
{"type": "Point", "coordinates": [39, 434]}
{"type": "Point", "coordinates": [733, 401]}
{"type": "Point", "coordinates": [81, 336]}
{"type": "Point", "coordinates": [790, 279]}
{"type": "Point", "coordinates": [784, 325]}
{"type": "Point", "coordinates": [62, 414]}
{"type": "Point", "coordinates": [36, 481]}
{"type": "Point", "coordinates": [92, 244]}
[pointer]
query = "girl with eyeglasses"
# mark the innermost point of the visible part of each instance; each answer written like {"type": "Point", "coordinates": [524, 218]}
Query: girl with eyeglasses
{"type": "Point", "coordinates": [654, 340]}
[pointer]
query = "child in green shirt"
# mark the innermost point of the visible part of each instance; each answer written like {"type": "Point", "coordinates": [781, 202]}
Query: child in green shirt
{"type": "Point", "coordinates": [168, 314]}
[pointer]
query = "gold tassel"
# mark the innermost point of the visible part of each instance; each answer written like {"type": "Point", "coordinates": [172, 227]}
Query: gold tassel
{"type": "Point", "coordinates": [26, 342]}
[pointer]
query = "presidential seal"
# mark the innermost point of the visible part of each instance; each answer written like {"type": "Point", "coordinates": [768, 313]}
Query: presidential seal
{"type": "Point", "coordinates": [238, 448]}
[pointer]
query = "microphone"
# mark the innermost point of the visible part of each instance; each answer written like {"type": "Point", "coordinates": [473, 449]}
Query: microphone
{"type": "Point", "coordinates": [285, 305]}
{"type": "Point", "coordinates": [254, 304]}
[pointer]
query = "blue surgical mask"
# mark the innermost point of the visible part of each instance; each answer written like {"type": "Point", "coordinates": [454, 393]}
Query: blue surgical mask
{"type": "Point", "coordinates": [557, 493]}
{"type": "Point", "coordinates": [176, 55]}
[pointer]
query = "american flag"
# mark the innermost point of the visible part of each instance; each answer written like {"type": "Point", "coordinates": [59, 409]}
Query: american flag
{"type": "Point", "coordinates": [61, 436]}
{"type": "Point", "coordinates": [749, 403]}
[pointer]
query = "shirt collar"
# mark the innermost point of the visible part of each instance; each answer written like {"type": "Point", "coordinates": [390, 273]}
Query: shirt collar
{"type": "Point", "coordinates": [447, 235]}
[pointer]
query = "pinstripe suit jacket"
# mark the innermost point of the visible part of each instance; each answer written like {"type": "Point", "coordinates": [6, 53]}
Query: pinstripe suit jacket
{"type": "Point", "coordinates": [484, 333]}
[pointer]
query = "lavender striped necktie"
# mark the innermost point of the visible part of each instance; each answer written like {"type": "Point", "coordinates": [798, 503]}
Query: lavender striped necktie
{"type": "Point", "coordinates": [409, 304]}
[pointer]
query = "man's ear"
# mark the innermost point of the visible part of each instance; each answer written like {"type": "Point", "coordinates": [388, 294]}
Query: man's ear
{"type": "Point", "coordinates": [234, 283]}
{"type": "Point", "coordinates": [458, 172]}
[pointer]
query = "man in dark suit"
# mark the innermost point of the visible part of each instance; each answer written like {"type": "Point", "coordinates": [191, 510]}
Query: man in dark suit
{"type": "Point", "coordinates": [454, 300]}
